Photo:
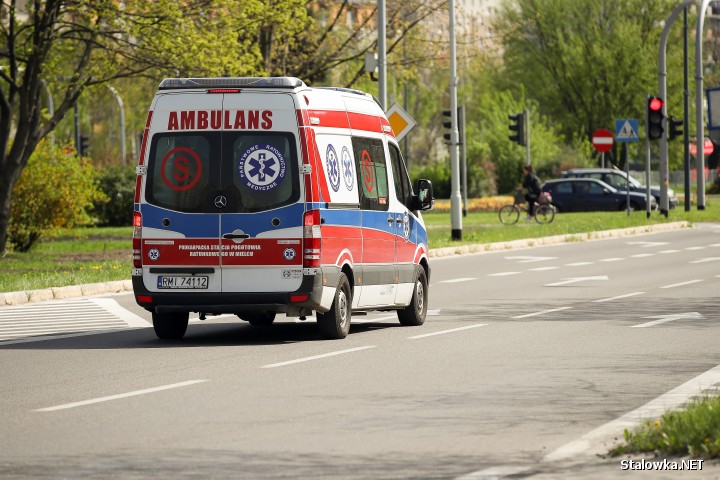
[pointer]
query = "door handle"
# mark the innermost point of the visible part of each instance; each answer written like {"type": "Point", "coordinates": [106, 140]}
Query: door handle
{"type": "Point", "coordinates": [399, 220]}
{"type": "Point", "coordinates": [235, 235]}
{"type": "Point", "coordinates": [390, 220]}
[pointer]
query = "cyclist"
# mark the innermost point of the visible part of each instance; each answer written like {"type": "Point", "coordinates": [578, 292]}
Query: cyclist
{"type": "Point", "coordinates": [531, 183]}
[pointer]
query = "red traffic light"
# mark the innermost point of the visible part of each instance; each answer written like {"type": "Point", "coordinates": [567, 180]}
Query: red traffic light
{"type": "Point", "coordinates": [655, 104]}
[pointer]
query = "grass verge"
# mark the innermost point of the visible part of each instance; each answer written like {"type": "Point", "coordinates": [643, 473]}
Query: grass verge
{"type": "Point", "coordinates": [76, 256]}
{"type": "Point", "coordinates": [693, 431]}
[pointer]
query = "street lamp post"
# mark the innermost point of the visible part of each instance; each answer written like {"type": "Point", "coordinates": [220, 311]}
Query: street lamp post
{"type": "Point", "coordinates": [122, 123]}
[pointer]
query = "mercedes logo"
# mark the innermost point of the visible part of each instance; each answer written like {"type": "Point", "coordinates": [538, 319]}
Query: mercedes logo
{"type": "Point", "coordinates": [221, 201]}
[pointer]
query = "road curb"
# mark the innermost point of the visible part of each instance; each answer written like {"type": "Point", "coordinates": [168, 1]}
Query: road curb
{"type": "Point", "coordinates": [73, 291]}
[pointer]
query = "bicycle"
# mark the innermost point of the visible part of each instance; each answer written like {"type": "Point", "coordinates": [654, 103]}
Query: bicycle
{"type": "Point", "coordinates": [544, 210]}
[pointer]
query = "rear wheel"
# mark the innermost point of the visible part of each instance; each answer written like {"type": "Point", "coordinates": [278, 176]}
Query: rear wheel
{"type": "Point", "coordinates": [259, 319]}
{"type": "Point", "coordinates": [509, 214]}
{"type": "Point", "coordinates": [170, 326]}
{"type": "Point", "coordinates": [414, 314]}
{"type": "Point", "coordinates": [544, 214]}
{"type": "Point", "coordinates": [335, 323]}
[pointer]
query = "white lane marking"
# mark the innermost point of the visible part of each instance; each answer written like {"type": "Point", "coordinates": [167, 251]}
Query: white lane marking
{"type": "Point", "coordinates": [118, 396]}
{"type": "Point", "coordinates": [110, 305]}
{"type": "Point", "coordinates": [542, 269]}
{"type": "Point", "coordinates": [613, 259]}
{"type": "Point", "coordinates": [714, 245]}
{"type": "Point", "coordinates": [600, 440]}
{"type": "Point", "coordinates": [456, 280]}
{"type": "Point", "coordinates": [529, 259]}
{"type": "Point", "coordinates": [690, 282]}
{"type": "Point", "coordinates": [502, 274]}
{"type": "Point", "coordinates": [433, 312]}
{"type": "Point", "coordinates": [647, 244]}
{"type": "Point", "coordinates": [642, 255]}
{"type": "Point", "coordinates": [695, 248]}
{"type": "Point", "coordinates": [668, 318]}
{"type": "Point", "coordinates": [317, 357]}
{"type": "Point", "coordinates": [568, 281]}
{"type": "Point", "coordinates": [447, 331]}
{"type": "Point", "coordinates": [668, 251]}
{"type": "Point", "coordinates": [610, 299]}
{"type": "Point", "coordinates": [494, 473]}
{"type": "Point", "coordinates": [372, 320]}
{"type": "Point", "coordinates": [705, 260]}
{"type": "Point", "coordinates": [535, 314]}
{"type": "Point", "coordinates": [578, 264]}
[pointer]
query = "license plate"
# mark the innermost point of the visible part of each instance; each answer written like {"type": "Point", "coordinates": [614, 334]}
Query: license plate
{"type": "Point", "coordinates": [182, 282]}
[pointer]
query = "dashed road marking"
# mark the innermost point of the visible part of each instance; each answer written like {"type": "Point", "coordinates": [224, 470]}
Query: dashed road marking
{"type": "Point", "coordinates": [681, 284]}
{"type": "Point", "coordinates": [503, 274]}
{"type": "Point", "coordinates": [458, 280]}
{"type": "Point", "coordinates": [613, 259]}
{"type": "Point", "coordinates": [705, 260]}
{"type": "Point", "coordinates": [447, 331]}
{"type": "Point", "coordinates": [618, 297]}
{"type": "Point", "coordinates": [119, 396]}
{"type": "Point", "coordinates": [543, 312]}
{"type": "Point", "coordinates": [316, 357]}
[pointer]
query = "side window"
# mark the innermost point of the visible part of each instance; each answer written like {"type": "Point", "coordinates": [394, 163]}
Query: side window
{"type": "Point", "coordinates": [371, 172]}
{"type": "Point", "coordinates": [564, 187]}
{"type": "Point", "coordinates": [179, 171]}
{"type": "Point", "coordinates": [403, 191]}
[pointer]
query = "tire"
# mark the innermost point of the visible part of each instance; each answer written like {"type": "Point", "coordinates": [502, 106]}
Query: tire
{"type": "Point", "coordinates": [414, 314]}
{"type": "Point", "coordinates": [259, 319]}
{"type": "Point", "coordinates": [509, 214]}
{"type": "Point", "coordinates": [544, 214]}
{"type": "Point", "coordinates": [170, 326]}
{"type": "Point", "coordinates": [335, 323]}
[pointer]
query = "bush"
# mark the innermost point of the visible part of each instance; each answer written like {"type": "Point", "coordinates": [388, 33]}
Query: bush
{"type": "Point", "coordinates": [56, 189]}
{"type": "Point", "coordinates": [118, 185]}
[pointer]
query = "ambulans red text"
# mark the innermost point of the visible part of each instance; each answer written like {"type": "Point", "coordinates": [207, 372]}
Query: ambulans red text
{"type": "Point", "coordinates": [219, 119]}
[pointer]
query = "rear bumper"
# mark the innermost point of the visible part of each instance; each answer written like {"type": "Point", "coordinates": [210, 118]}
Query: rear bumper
{"type": "Point", "coordinates": [304, 299]}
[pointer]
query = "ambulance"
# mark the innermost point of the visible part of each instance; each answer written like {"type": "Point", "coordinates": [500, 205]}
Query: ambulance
{"type": "Point", "coordinates": [261, 196]}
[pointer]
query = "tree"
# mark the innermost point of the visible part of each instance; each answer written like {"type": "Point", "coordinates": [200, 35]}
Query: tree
{"type": "Point", "coordinates": [587, 62]}
{"type": "Point", "coordinates": [70, 45]}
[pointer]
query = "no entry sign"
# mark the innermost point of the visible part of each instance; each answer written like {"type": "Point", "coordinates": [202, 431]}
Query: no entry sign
{"type": "Point", "coordinates": [602, 140]}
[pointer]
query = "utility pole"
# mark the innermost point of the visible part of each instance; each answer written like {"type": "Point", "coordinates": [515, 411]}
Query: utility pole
{"type": "Point", "coordinates": [382, 61]}
{"type": "Point", "coordinates": [455, 197]}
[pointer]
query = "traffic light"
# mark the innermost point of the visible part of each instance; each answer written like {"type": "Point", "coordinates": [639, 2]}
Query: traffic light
{"type": "Point", "coordinates": [517, 126]}
{"type": "Point", "coordinates": [655, 117]}
{"type": "Point", "coordinates": [675, 128]}
{"type": "Point", "coordinates": [447, 124]}
{"type": "Point", "coordinates": [84, 147]}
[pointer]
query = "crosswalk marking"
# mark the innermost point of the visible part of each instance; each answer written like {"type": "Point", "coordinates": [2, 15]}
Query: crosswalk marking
{"type": "Point", "coordinates": [58, 319]}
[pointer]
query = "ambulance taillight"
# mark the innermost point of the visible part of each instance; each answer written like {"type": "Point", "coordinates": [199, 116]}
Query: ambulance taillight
{"type": "Point", "coordinates": [137, 239]}
{"type": "Point", "coordinates": [312, 239]}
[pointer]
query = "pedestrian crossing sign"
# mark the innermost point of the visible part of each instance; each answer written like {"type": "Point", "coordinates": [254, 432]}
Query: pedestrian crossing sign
{"type": "Point", "coordinates": [626, 130]}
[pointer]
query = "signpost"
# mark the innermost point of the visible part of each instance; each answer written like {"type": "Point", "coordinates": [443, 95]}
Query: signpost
{"type": "Point", "coordinates": [603, 141]}
{"type": "Point", "coordinates": [626, 131]}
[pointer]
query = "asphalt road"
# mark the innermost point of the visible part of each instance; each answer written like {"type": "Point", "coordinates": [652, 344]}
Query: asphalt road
{"type": "Point", "coordinates": [530, 364]}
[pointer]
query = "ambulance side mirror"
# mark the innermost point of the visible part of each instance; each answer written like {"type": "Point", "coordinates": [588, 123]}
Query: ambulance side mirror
{"type": "Point", "coordinates": [424, 198]}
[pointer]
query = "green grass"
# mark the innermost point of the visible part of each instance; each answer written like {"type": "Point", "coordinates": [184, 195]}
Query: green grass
{"type": "Point", "coordinates": [76, 256]}
{"type": "Point", "coordinates": [693, 431]}
{"type": "Point", "coordinates": [485, 227]}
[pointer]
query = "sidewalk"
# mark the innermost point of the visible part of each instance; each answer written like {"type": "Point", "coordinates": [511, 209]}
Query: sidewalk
{"type": "Point", "coordinates": [59, 293]}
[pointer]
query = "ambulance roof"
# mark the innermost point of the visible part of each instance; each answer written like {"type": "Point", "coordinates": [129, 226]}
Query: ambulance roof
{"type": "Point", "coordinates": [230, 82]}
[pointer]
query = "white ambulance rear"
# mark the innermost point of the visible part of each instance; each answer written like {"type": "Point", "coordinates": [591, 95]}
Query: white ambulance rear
{"type": "Point", "coordinates": [239, 207]}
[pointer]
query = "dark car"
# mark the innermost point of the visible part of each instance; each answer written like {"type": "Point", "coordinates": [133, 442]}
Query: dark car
{"type": "Point", "coordinates": [618, 179]}
{"type": "Point", "coordinates": [591, 195]}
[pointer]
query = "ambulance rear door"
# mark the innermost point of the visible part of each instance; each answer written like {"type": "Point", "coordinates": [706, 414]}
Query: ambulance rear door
{"type": "Point", "coordinates": [261, 224]}
{"type": "Point", "coordinates": [180, 219]}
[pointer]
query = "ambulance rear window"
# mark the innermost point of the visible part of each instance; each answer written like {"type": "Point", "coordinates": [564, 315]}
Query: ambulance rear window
{"type": "Point", "coordinates": [252, 171]}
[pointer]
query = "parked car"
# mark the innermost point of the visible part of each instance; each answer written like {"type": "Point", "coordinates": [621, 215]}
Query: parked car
{"type": "Point", "coordinates": [618, 179]}
{"type": "Point", "coordinates": [592, 195]}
